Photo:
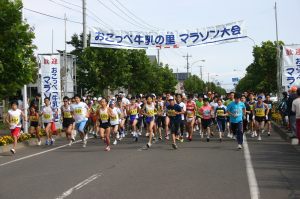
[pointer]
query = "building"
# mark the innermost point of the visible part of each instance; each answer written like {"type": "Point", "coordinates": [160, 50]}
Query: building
{"type": "Point", "coordinates": [181, 77]}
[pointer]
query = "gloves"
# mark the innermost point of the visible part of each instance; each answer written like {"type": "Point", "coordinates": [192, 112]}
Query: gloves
{"type": "Point", "coordinates": [266, 117]}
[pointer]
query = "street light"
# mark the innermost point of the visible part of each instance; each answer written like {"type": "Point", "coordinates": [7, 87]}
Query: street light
{"type": "Point", "coordinates": [202, 60]}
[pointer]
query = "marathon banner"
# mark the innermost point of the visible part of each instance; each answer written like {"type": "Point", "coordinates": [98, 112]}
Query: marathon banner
{"type": "Point", "coordinates": [290, 66]}
{"type": "Point", "coordinates": [50, 79]}
{"type": "Point", "coordinates": [168, 39]}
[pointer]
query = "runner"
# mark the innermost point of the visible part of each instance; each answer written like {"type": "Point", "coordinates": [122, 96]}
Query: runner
{"type": "Point", "coordinates": [221, 113]}
{"type": "Point", "coordinates": [251, 103]}
{"type": "Point", "coordinates": [270, 106]}
{"type": "Point", "coordinates": [236, 110]}
{"type": "Point", "coordinates": [246, 116]}
{"type": "Point", "coordinates": [68, 120]}
{"type": "Point", "coordinates": [13, 118]}
{"type": "Point", "coordinates": [199, 104]}
{"type": "Point", "coordinates": [148, 110]}
{"type": "Point", "coordinates": [48, 112]}
{"type": "Point", "coordinates": [79, 110]}
{"type": "Point", "coordinates": [93, 116]}
{"type": "Point", "coordinates": [114, 121]}
{"type": "Point", "coordinates": [133, 110]}
{"type": "Point", "coordinates": [104, 113]}
{"type": "Point", "coordinates": [206, 111]}
{"type": "Point", "coordinates": [182, 120]}
{"type": "Point", "coordinates": [174, 113]}
{"type": "Point", "coordinates": [122, 117]}
{"type": "Point", "coordinates": [226, 103]}
{"type": "Point", "coordinates": [261, 112]}
{"type": "Point", "coordinates": [35, 127]}
{"type": "Point", "coordinates": [167, 119]}
{"type": "Point", "coordinates": [190, 116]}
{"type": "Point", "coordinates": [160, 120]}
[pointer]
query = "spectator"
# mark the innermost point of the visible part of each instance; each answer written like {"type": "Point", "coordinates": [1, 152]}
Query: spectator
{"type": "Point", "coordinates": [292, 114]}
{"type": "Point", "coordinates": [296, 109]}
{"type": "Point", "coordinates": [36, 102]}
{"type": "Point", "coordinates": [282, 108]}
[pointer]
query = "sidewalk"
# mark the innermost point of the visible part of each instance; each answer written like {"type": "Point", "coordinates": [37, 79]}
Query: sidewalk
{"type": "Point", "coordinates": [286, 135]}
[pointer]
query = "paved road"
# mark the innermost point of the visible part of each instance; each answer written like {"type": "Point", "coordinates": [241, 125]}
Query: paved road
{"type": "Point", "coordinates": [196, 170]}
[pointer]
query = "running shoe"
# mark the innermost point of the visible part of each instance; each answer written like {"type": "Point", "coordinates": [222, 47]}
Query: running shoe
{"type": "Point", "coordinates": [147, 134]}
{"type": "Point", "coordinates": [84, 143]}
{"type": "Point", "coordinates": [174, 146]}
{"type": "Point", "coordinates": [240, 146]}
{"type": "Point", "coordinates": [186, 135]}
{"type": "Point", "coordinates": [70, 143]}
{"type": "Point", "coordinates": [115, 142]}
{"type": "Point", "coordinates": [139, 133]}
{"type": "Point", "coordinates": [207, 139]}
{"type": "Point", "coordinates": [160, 137]}
{"type": "Point", "coordinates": [259, 138]}
{"type": "Point", "coordinates": [269, 133]}
{"type": "Point", "coordinates": [107, 148]}
{"type": "Point", "coordinates": [52, 142]}
{"type": "Point", "coordinates": [47, 142]}
{"type": "Point", "coordinates": [220, 140]}
{"type": "Point", "coordinates": [148, 145]}
{"type": "Point", "coordinates": [167, 137]}
{"type": "Point", "coordinates": [39, 143]}
{"type": "Point", "coordinates": [13, 151]}
{"type": "Point", "coordinates": [118, 135]}
{"type": "Point", "coordinates": [136, 139]}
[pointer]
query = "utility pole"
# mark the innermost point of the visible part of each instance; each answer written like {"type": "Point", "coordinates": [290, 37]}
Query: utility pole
{"type": "Point", "coordinates": [84, 23]}
{"type": "Point", "coordinates": [52, 41]}
{"type": "Point", "coordinates": [201, 72]}
{"type": "Point", "coordinates": [187, 63]}
{"type": "Point", "coordinates": [277, 55]}
{"type": "Point", "coordinates": [65, 59]}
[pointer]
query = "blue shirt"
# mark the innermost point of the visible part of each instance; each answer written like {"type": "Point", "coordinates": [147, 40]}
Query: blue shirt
{"type": "Point", "coordinates": [236, 108]}
{"type": "Point", "coordinates": [171, 113]}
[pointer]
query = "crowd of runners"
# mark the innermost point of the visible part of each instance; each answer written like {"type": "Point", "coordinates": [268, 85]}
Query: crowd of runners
{"type": "Point", "coordinates": [177, 117]}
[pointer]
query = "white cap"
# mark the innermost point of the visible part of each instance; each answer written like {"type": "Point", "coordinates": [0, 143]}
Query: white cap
{"type": "Point", "coordinates": [171, 98]}
{"type": "Point", "coordinates": [95, 98]}
{"type": "Point", "coordinates": [99, 98]}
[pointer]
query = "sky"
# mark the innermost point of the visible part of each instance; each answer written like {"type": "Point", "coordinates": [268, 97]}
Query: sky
{"type": "Point", "coordinates": [222, 62]}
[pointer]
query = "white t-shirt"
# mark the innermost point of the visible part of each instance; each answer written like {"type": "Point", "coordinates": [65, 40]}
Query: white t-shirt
{"type": "Point", "coordinates": [296, 107]}
{"type": "Point", "coordinates": [14, 118]}
{"type": "Point", "coordinates": [125, 101]}
{"type": "Point", "coordinates": [115, 120]}
{"type": "Point", "coordinates": [48, 112]}
{"type": "Point", "coordinates": [183, 106]}
{"type": "Point", "coordinates": [79, 110]}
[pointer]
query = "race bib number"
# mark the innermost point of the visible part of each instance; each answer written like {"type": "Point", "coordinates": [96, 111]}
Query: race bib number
{"type": "Point", "coordinates": [47, 116]}
{"type": "Point", "coordinates": [260, 112]}
{"type": "Point", "coordinates": [190, 114]}
{"type": "Point", "coordinates": [104, 117]}
{"type": "Point", "coordinates": [67, 115]}
{"type": "Point", "coordinates": [220, 112]}
{"type": "Point", "coordinates": [206, 113]}
{"type": "Point", "coordinates": [78, 111]}
{"type": "Point", "coordinates": [171, 113]}
{"type": "Point", "coordinates": [33, 118]}
{"type": "Point", "coordinates": [151, 112]}
{"type": "Point", "coordinates": [114, 118]}
{"type": "Point", "coordinates": [133, 111]}
{"type": "Point", "coordinates": [15, 120]}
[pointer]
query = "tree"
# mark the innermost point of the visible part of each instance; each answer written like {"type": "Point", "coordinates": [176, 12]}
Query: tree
{"type": "Point", "coordinates": [261, 74]}
{"type": "Point", "coordinates": [17, 62]}
{"type": "Point", "coordinates": [194, 85]}
{"type": "Point", "coordinates": [100, 68]}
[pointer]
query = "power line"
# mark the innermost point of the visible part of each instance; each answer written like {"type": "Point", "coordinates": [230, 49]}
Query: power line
{"type": "Point", "coordinates": [118, 14]}
{"type": "Point", "coordinates": [98, 20]}
{"type": "Point", "coordinates": [51, 16]}
{"type": "Point", "coordinates": [78, 6]}
{"type": "Point", "coordinates": [135, 15]}
{"type": "Point", "coordinates": [139, 23]}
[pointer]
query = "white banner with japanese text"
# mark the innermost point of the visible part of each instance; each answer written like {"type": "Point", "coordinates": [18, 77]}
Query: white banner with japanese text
{"type": "Point", "coordinates": [290, 66]}
{"type": "Point", "coordinates": [168, 39]}
{"type": "Point", "coordinates": [50, 79]}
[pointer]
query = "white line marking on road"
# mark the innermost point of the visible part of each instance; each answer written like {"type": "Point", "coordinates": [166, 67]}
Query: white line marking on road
{"type": "Point", "coordinates": [36, 154]}
{"type": "Point", "coordinates": [79, 185]}
{"type": "Point", "coordinates": [253, 186]}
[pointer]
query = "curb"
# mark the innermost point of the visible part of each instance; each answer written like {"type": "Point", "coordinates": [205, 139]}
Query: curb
{"type": "Point", "coordinates": [27, 143]}
{"type": "Point", "coordinates": [283, 134]}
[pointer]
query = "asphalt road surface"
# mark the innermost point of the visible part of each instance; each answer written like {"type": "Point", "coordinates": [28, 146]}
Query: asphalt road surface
{"type": "Point", "coordinates": [196, 170]}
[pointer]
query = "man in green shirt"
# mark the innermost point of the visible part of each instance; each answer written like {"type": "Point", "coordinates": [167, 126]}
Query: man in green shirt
{"type": "Point", "coordinates": [199, 104]}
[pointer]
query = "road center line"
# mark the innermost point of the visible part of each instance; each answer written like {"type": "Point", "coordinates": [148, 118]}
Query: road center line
{"type": "Point", "coordinates": [253, 186]}
{"type": "Point", "coordinates": [36, 154]}
{"type": "Point", "coordinates": [79, 185]}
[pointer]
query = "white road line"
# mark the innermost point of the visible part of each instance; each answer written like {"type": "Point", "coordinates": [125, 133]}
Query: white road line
{"type": "Point", "coordinates": [36, 154]}
{"type": "Point", "coordinates": [253, 186]}
{"type": "Point", "coordinates": [79, 185]}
